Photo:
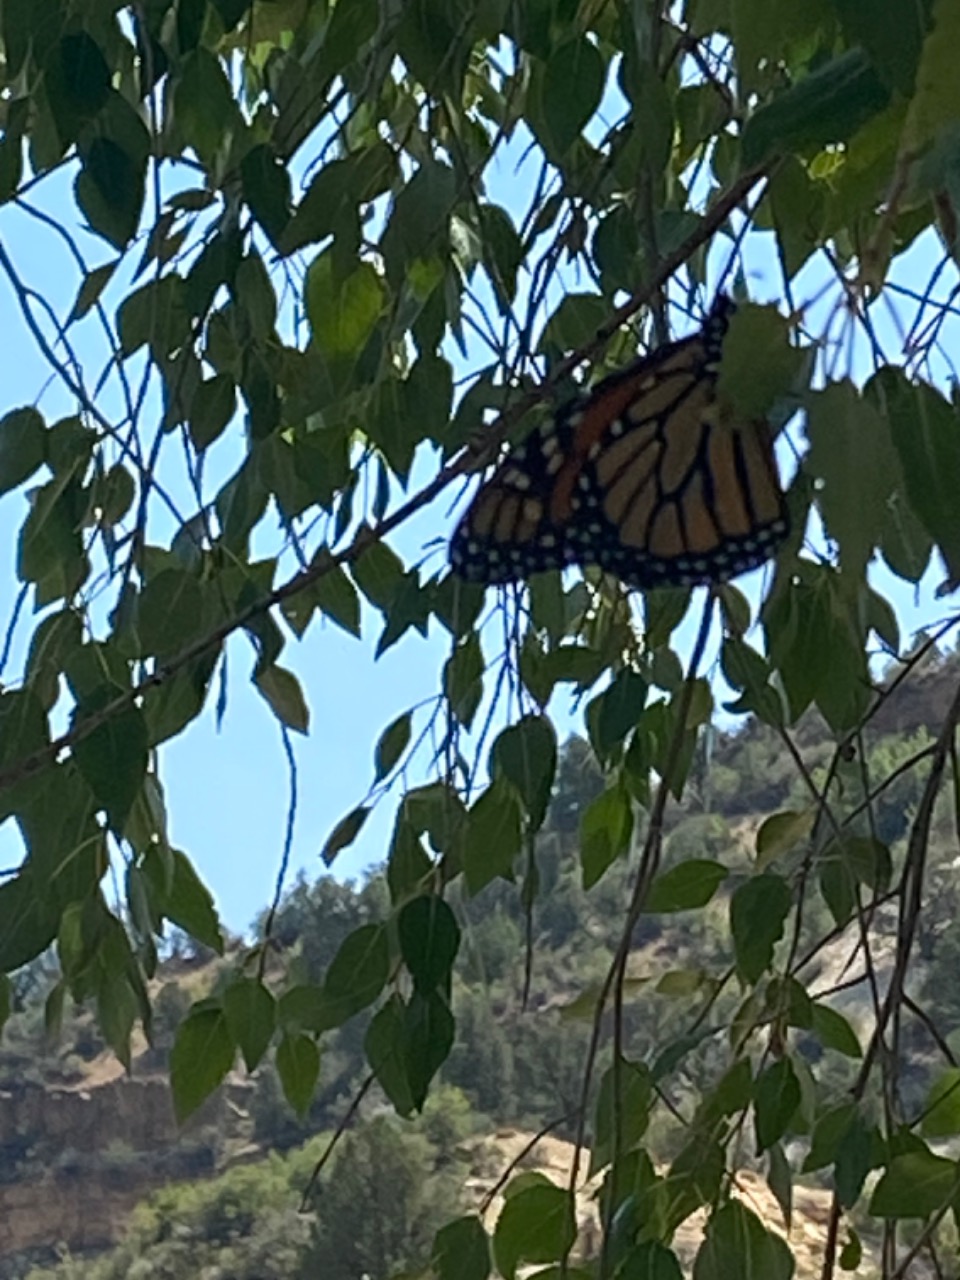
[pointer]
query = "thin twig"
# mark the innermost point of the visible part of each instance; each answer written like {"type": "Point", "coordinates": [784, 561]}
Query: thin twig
{"type": "Point", "coordinates": [285, 854]}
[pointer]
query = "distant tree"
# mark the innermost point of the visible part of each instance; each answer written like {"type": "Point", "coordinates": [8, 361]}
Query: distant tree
{"type": "Point", "coordinates": [380, 1206]}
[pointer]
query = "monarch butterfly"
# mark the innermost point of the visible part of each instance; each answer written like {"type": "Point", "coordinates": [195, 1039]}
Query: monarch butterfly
{"type": "Point", "coordinates": [642, 477]}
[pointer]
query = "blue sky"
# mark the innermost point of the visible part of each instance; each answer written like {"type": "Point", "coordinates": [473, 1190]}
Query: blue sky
{"type": "Point", "coordinates": [228, 791]}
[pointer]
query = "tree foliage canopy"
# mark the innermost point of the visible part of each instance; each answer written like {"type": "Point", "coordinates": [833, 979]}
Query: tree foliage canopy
{"type": "Point", "coordinates": [305, 245]}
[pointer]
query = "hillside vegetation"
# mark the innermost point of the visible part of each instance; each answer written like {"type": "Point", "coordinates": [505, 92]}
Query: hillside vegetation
{"type": "Point", "coordinates": [234, 1181]}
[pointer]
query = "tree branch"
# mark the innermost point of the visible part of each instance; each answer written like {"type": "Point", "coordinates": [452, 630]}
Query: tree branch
{"type": "Point", "coordinates": [365, 537]}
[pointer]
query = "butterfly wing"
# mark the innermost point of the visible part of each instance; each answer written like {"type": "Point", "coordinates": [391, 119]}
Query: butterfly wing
{"type": "Point", "coordinates": [643, 478]}
{"type": "Point", "coordinates": [511, 528]}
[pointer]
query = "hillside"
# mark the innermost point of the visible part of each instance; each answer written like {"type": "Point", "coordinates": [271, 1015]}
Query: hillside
{"type": "Point", "coordinates": [83, 1145]}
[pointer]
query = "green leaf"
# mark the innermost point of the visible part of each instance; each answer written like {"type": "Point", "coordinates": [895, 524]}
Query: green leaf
{"type": "Point", "coordinates": [171, 706]}
{"type": "Point", "coordinates": [815, 642]}
{"type": "Point", "coordinates": [266, 188]}
{"type": "Point", "coordinates": [408, 864]}
{"type": "Point", "coordinates": [302, 1008]}
{"type": "Point", "coordinates": [393, 743]}
{"type": "Point", "coordinates": [342, 310]}
{"type": "Point", "coordinates": [78, 82]}
{"type": "Point", "coordinates": [281, 690]}
{"type": "Point", "coordinates": [925, 435]}
{"type": "Point", "coordinates": [251, 1014]}
{"type": "Point", "coordinates": [694, 1179]}
{"type": "Point", "coordinates": [4, 999]}
{"type": "Point", "coordinates": [202, 1054]}
{"type": "Point", "coordinates": [847, 863]}
{"type": "Point", "coordinates": [332, 201]}
{"type": "Point", "coordinates": [797, 204]}
{"type": "Point", "coordinates": [526, 755]}
{"type": "Point", "coordinates": [28, 921]}
{"type": "Point", "coordinates": [843, 429]}
{"type": "Point", "coordinates": [935, 105]}
{"type": "Point", "coordinates": [336, 596]}
{"type": "Point", "coordinates": [685, 887]}
{"type": "Point", "coordinates": [169, 612]}
{"type": "Point", "coordinates": [114, 495]}
{"type": "Point", "coordinates": [184, 899]}
{"type": "Point", "coordinates": [851, 1254]}
{"type": "Point", "coordinates": [854, 1159]}
{"type": "Point", "coordinates": [463, 678]}
{"type": "Point", "coordinates": [736, 1243]}
{"type": "Point", "coordinates": [430, 39]}
{"type": "Point", "coordinates": [378, 572]}
{"type": "Point", "coordinates": [429, 940]}
{"type": "Point", "coordinates": [570, 90]}
{"type": "Point", "coordinates": [612, 714]}
{"type": "Point", "coordinates": [88, 295]}
{"type": "Point", "coordinates": [113, 760]}
{"type": "Point", "coordinates": [207, 116]}
{"type": "Point", "coordinates": [428, 1039]}
{"type": "Point", "coordinates": [892, 33]}
{"type": "Point", "coordinates": [358, 972]}
{"type": "Point", "coordinates": [418, 228]}
{"type": "Point", "coordinates": [536, 1224]}
{"type": "Point", "coordinates": [759, 366]}
{"type": "Point", "coordinates": [502, 252]}
{"type": "Point", "coordinates": [49, 537]}
{"type": "Point", "coordinates": [648, 1261]}
{"type": "Point", "coordinates": [213, 405]}
{"type": "Point", "coordinates": [410, 607]}
{"type": "Point", "coordinates": [623, 1111]}
{"type": "Point", "coordinates": [23, 443]}
{"type": "Point", "coordinates": [461, 1250]}
{"type": "Point", "coordinates": [758, 911]}
{"type": "Point", "coordinates": [941, 1112]}
{"type": "Point", "coordinates": [493, 836]}
{"type": "Point", "coordinates": [776, 1096]}
{"type": "Point", "coordinates": [779, 833]}
{"type": "Point", "coordinates": [298, 1066]}
{"type": "Point", "coordinates": [828, 106]}
{"type": "Point", "coordinates": [828, 1133]}
{"type": "Point", "coordinates": [575, 322]}
{"type": "Point", "coordinates": [344, 833]}
{"type": "Point", "coordinates": [834, 1031]}
{"type": "Point", "coordinates": [780, 1182]}
{"type": "Point", "coordinates": [109, 190]}
{"type": "Point", "coordinates": [385, 1048]}
{"type": "Point", "coordinates": [914, 1185]}
{"type": "Point", "coordinates": [605, 831]}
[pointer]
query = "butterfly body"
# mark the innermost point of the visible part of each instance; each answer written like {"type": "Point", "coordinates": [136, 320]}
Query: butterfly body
{"type": "Point", "coordinates": [642, 477]}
